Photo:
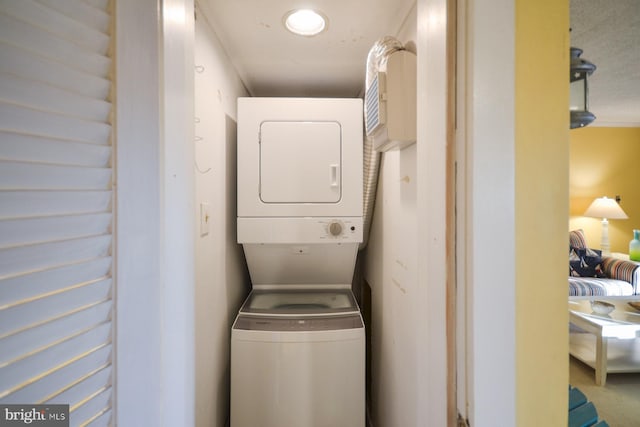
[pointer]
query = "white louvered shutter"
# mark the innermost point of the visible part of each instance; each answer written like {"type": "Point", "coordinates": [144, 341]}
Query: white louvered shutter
{"type": "Point", "coordinates": [56, 202]}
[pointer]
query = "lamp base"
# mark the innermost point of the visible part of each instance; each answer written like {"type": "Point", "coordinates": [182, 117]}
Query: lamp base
{"type": "Point", "coordinates": [604, 242]}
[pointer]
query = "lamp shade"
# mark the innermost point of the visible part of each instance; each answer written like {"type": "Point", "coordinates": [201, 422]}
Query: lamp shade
{"type": "Point", "coordinates": [605, 207]}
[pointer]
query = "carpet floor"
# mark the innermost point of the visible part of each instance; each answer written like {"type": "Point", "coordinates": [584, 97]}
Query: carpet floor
{"type": "Point", "coordinates": [618, 402]}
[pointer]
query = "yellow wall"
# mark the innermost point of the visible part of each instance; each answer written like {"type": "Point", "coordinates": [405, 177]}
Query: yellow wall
{"type": "Point", "coordinates": [542, 198]}
{"type": "Point", "coordinates": [605, 162]}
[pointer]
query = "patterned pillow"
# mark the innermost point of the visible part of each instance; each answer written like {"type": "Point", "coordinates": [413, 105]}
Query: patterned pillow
{"type": "Point", "coordinates": [585, 263]}
{"type": "Point", "coordinates": [577, 239]}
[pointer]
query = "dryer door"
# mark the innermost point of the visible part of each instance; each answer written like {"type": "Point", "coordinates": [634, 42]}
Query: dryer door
{"type": "Point", "coordinates": [300, 162]}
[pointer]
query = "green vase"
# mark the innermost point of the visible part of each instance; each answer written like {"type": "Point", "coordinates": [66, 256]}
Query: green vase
{"type": "Point", "coordinates": [634, 246]}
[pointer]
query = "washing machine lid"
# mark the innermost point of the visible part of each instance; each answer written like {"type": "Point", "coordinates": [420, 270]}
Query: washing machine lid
{"type": "Point", "coordinates": [299, 301]}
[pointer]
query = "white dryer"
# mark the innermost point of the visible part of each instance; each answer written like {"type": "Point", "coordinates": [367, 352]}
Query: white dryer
{"type": "Point", "coordinates": [299, 157]}
{"type": "Point", "coordinates": [298, 342]}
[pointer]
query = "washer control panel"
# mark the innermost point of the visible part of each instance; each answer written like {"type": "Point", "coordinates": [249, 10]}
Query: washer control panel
{"type": "Point", "coordinates": [300, 230]}
{"type": "Point", "coordinates": [340, 228]}
{"type": "Point", "coordinates": [335, 228]}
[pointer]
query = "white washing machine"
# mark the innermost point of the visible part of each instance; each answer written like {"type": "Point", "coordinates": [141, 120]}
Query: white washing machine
{"type": "Point", "coordinates": [298, 342]}
{"type": "Point", "coordinates": [297, 360]}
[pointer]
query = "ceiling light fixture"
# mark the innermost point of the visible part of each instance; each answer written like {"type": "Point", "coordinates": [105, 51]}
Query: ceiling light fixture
{"type": "Point", "coordinates": [305, 22]}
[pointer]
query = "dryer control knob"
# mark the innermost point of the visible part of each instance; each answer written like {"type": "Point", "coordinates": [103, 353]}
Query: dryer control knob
{"type": "Point", "coordinates": [335, 228]}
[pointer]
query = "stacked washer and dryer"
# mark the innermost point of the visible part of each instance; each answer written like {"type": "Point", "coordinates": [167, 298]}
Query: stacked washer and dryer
{"type": "Point", "coordinates": [298, 341]}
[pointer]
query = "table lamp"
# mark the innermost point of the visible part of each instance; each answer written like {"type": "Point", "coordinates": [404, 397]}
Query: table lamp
{"type": "Point", "coordinates": [604, 208]}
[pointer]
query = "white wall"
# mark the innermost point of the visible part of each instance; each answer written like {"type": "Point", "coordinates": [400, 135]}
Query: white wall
{"type": "Point", "coordinates": [430, 322]}
{"type": "Point", "coordinates": [221, 278]}
{"type": "Point", "coordinates": [391, 269]}
{"type": "Point", "coordinates": [491, 207]}
{"type": "Point", "coordinates": [172, 365]}
{"type": "Point", "coordinates": [154, 228]}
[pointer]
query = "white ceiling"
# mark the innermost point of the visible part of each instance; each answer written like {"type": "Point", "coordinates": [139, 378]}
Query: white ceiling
{"type": "Point", "coordinates": [273, 62]}
{"type": "Point", "coordinates": [608, 31]}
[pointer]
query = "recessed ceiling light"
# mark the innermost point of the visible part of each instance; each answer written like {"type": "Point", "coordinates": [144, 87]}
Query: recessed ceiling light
{"type": "Point", "coordinates": [305, 22]}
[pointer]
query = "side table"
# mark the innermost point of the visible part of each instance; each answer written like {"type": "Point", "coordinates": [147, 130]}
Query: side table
{"type": "Point", "coordinates": [611, 342]}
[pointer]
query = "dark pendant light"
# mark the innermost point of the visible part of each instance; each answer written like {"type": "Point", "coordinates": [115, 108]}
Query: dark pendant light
{"type": "Point", "coordinates": [581, 69]}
